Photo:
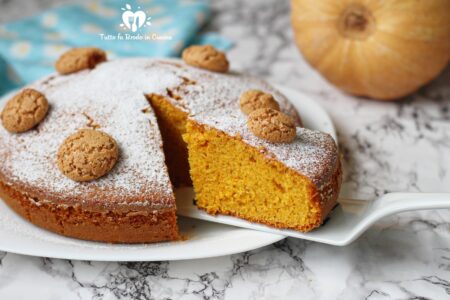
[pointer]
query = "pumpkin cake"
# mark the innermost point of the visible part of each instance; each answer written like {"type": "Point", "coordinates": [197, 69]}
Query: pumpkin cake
{"type": "Point", "coordinates": [290, 186]}
{"type": "Point", "coordinates": [160, 119]}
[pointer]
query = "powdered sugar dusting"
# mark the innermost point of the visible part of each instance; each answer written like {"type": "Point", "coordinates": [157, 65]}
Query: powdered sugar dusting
{"type": "Point", "coordinates": [113, 96]}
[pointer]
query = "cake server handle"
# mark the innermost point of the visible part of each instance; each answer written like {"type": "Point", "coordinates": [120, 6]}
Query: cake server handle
{"type": "Point", "coordinates": [393, 203]}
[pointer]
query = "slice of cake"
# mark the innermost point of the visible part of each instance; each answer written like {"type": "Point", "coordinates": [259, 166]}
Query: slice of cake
{"type": "Point", "coordinates": [234, 173]}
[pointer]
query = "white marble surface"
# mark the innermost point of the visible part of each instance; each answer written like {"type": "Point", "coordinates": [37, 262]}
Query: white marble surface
{"type": "Point", "coordinates": [387, 147]}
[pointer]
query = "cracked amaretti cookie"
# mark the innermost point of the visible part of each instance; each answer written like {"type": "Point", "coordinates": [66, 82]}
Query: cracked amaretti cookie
{"type": "Point", "coordinates": [117, 187]}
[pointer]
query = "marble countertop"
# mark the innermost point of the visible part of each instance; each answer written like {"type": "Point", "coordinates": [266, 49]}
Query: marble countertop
{"type": "Point", "coordinates": [401, 146]}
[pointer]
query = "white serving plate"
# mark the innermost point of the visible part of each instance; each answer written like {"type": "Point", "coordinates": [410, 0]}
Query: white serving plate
{"type": "Point", "coordinates": [203, 239]}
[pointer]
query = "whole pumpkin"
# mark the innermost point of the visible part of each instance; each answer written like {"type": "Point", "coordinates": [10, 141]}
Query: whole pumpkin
{"type": "Point", "coordinates": [381, 49]}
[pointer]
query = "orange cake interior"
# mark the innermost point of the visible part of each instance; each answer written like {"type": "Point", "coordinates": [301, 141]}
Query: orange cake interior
{"type": "Point", "coordinates": [252, 186]}
{"type": "Point", "coordinates": [172, 125]}
{"type": "Point", "coordinates": [233, 178]}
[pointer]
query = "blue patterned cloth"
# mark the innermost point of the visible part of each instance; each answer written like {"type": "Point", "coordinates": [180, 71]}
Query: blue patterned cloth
{"type": "Point", "coordinates": [158, 28]}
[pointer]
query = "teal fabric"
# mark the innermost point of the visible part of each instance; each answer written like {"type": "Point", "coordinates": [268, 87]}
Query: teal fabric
{"type": "Point", "coordinates": [29, 47]}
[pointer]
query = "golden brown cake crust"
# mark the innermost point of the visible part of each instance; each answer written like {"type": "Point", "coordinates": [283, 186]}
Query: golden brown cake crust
{"type": "Point", "coordinates": [108, 226]}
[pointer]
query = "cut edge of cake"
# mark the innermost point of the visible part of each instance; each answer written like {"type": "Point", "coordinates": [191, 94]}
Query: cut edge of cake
{"type": "Point", "coordinates": [231, 177]}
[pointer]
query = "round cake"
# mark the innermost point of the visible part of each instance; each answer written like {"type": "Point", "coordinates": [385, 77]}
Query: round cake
{"type": "Point", "coordinates": [163, 123]}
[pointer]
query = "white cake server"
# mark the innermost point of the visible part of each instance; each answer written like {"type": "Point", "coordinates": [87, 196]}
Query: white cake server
{"type": "Point", "coordinates": [348, 220]}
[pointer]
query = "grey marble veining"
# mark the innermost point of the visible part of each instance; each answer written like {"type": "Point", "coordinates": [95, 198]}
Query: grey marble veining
{"type": "Point", "coordinates": [401, 146]}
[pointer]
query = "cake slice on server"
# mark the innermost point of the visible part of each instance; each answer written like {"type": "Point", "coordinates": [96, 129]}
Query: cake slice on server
{"type": "Point", "coordinates": [94, 151]}
{"type": "Point", "coordinates": [289, 185]}
{"type": "Point", "coordinates": [248, 155]}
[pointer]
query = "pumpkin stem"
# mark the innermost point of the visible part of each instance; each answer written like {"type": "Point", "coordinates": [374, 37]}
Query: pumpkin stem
{"type": "Point", "coordinates": [356, 22]}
